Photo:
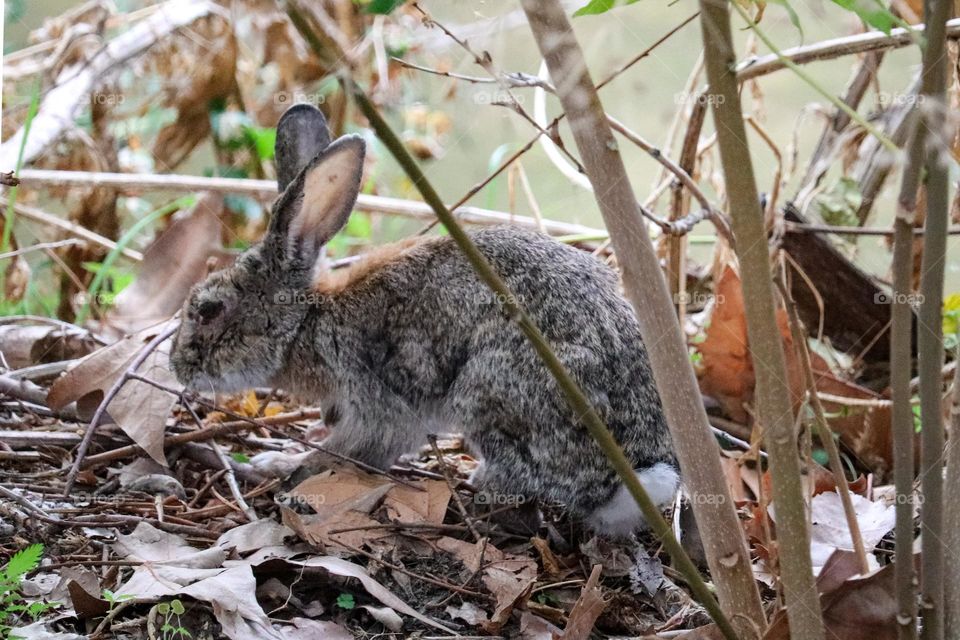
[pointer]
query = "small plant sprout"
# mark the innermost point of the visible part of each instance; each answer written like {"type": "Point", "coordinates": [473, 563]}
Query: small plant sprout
{"type": "Point", "coordinates": [171, 611]}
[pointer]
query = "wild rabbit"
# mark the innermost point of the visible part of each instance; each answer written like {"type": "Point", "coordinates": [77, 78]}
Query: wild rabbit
{"type": "Point", "coordinates": [408, 341]}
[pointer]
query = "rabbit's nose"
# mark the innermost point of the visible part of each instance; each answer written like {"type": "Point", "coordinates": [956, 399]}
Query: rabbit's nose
{"type": "Point", "coordinates": [208, 310]}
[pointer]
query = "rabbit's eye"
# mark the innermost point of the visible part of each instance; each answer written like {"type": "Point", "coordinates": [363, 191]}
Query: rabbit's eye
{"type": "Point", "coordinates": [208, 310]}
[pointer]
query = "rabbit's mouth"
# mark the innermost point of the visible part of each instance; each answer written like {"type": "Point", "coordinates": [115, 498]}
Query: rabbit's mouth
{"type": "Point", "coordinates": [227, 382]}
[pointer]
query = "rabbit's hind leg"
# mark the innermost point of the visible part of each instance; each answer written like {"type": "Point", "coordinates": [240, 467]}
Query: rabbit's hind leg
{"type": "Point", "coordinates": [516, 512]}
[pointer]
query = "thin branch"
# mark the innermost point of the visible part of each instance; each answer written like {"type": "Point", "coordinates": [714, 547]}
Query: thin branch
{"type": "Point", "coordinates": [708, 211]}
{"type": "Point", "coordinates": [76, 230]}
{"type": "Point", "coordinates": [486, 63]}
{"type": "Point", "coordinates": [43, 246]}
{"type": "Point", "coordinates": [200, 435]}
{"type": "Point", "coordinates": [836, 48]}
{"type": "Point", "coordinates": [798, 227]}
{"type": "Point", "coordinates": [266, 190]}
{"type": "Point", "coordinates": [775, 412]}
{"type": "Point", "coordinates": [938, 142]}
{"type": "Point", "coordinates": [816, 86]}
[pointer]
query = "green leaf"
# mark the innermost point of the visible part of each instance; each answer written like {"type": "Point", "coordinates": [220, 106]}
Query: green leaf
{"type": "Point", "coordinates": [951, 314]}
{"type": "Point", "coordinates": [820, 457]}
{"type": "Point", "coordinates": [263, 140]}
{"type": "Point", "coordinates": [345, 601]}
{"type": "Point", "coordinates": [870, 11]}
{"type": "Point", "coordinates": [23, 561]}
{"type": "Point", "coordinates": [596, 7]}
{"type": "Point", "coordinates": [383, 7]}
{"type": "Point", "coordinates": [239, 457]}
{"type": "Point", "coordinates": [839, 204]}
{"type": "Point", "coordinates": [163, 608]}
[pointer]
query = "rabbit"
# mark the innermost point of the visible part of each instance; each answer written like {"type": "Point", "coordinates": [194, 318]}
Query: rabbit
{"type": "Point", "coordinates": [408, 341]}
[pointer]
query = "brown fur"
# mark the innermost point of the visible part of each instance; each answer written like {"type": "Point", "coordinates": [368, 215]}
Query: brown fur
{"type": "Point", "coordinates": [334, 282]}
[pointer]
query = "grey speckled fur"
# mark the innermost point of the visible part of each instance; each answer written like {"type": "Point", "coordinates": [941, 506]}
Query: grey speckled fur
{"type": "Point", "coordinates": [421, 345]}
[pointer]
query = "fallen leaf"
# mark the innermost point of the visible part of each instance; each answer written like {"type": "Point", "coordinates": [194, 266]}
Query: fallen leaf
{"type": "Point", "coordinates": [231, 592]}
{"type": "Point", "coordinates": [468, 612]}
{"type": "Point", "coordinates": [340, 567]}
{"type": "Point", "coordinates": [385, 616]}
{"type": "Point", "coordinates": [139, 409]}
{"type": "Point", "coordinates": [39, 631]}
{"type": "Point", "coordinates": [536, 628]}
{"type": "Point", "coordinates": [829, 531]}
{"type": "Point", "coordinates": [306, 629]}
{"type": "Point", "coordinates": [175, 262]}
{"type": "Point", "coordinates": [86, 604]}
{"type": "Point", "coordinates": [151, 545]}
{"type": "Point", "coordinates": [254, 535]}
{"type": "Point", "coordinates": [726, 372]}
{"type": "Point", "coordinates": [854, 608]}
{"type": "Point", "coordinates": [510, 578]}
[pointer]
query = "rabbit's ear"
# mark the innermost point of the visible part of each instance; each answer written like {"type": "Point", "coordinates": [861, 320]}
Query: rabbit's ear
{"type": "Point", "coordinates": [302, 133]}
{"type": "Point", "coordinates": [318, 203]}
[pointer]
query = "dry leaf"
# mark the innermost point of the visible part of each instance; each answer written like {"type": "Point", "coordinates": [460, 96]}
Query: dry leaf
{"type": "Point", "coordinates": [854, 608]}
{"type": "Point", "coordinates": [175, 262]}
{"type": "Point", "coordinates": [151, 545]}
{"type": "Point", "coordinates": [340, 567]}
{"type": "Point", "coordinates": [306, 629]}
{"type": "Point", "coordinates": [139, 409]}
{"type": "Point", "coordinates": [510, 578]}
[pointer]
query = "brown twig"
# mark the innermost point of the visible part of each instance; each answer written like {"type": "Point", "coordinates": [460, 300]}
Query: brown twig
{"type": "Point", "coordinates": [797, 227]}
{"type": "Point", "coordinates": [838, 47]}
{"type": "Point", "coordinates": [263, 190]}
{"type": "Point", "coordinates": [200, 435]}
{"type": "Point", "coordinates": [432, 439]}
